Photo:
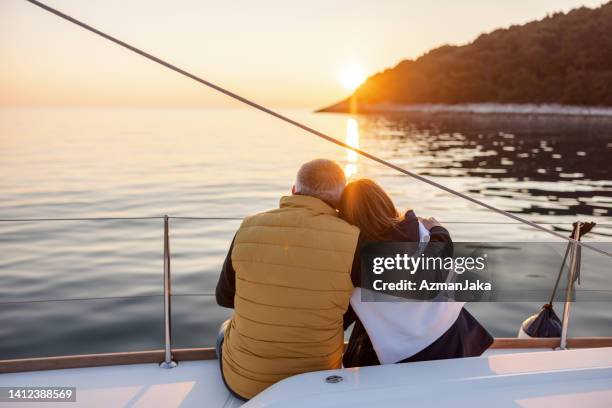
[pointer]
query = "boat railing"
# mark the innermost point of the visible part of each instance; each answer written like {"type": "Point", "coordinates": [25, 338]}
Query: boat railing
{"type": "Point", "coordinates": [168, 357]}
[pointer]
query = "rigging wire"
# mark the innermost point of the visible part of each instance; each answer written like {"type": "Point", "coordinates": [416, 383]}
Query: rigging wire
{"type": "Point", "coordinates": [214, 218]}
{"type": "Point", "coordinates": [83, 299]}
{"type": "Point", "coordinates": [78, 219]}
{"type": "Point", "coordinates": [307, 128]}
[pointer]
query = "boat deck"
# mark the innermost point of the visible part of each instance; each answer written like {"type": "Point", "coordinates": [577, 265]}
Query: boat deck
{"type": "Point", "coordinates": [190, 384]}
{"type": "Point", "coordinates": [501, 377]}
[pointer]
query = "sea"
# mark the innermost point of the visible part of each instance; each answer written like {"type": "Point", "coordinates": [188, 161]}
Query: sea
{"type": "Point", "coordinates": [84, 192]}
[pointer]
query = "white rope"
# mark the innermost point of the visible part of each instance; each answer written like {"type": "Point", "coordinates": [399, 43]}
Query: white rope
{"type": "Point", "coordinates": [308, 128]}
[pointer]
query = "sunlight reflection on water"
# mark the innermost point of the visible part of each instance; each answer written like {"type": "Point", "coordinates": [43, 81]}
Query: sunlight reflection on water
{"type": "Point", "coordinates": [352, 139]}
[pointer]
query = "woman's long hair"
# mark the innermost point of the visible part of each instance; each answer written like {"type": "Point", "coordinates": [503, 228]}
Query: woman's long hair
{"type": "Point", "coordinates": [366, 205]}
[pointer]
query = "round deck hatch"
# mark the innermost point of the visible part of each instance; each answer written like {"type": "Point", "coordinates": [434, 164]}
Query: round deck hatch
{"type": "Point", "coordinates": [333, 379]}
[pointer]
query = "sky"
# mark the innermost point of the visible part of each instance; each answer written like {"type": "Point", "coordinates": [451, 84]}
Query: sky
{"type": "Point", "coordinates": [277, 52]}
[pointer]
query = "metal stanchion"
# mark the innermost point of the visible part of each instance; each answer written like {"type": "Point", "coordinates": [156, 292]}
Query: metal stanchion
{"type": "Point", "coordinates": [168, 362]}
{"type": "Point", "coordinates": [570, 285]}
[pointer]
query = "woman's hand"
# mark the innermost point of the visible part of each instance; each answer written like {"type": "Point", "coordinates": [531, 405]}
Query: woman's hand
{"type": "Point", "coordinates": [429, 223]}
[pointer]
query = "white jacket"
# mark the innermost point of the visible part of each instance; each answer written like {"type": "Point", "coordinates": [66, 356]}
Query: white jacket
{"type": "Point", "coordinates": [400, 329]}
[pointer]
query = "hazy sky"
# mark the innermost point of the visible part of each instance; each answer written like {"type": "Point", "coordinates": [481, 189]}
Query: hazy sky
{"type": "Point", "coordinates": [282, 52]}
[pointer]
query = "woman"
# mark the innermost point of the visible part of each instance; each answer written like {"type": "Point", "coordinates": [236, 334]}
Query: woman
{"type": "Point", "coordinates": [397, 332]}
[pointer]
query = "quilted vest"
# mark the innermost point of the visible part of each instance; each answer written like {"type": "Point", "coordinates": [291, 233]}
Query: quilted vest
{"type": "Point", "coordinates": [293, 285]}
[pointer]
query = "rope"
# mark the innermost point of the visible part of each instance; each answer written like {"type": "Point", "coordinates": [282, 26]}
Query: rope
{"type": "Point", "coordinates": [305, 127]}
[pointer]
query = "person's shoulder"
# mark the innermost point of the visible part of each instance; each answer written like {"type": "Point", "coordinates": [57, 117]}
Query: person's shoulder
{"type": "Point", "coordinates": [257, 218]}
{"type": "Point", "coordinates": [341, 224]}
{"type": "Point", "coordinates": [439, 230]}
{"type": "Point", "coordinates": [407, 229]}
{"type": "Point", "coordinates": [283, 217]}
{"type": "Point", "coordinates": [410, 215]}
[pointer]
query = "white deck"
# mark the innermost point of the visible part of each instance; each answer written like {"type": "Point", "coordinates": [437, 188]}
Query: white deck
{"type": "Point", "coordinates": [191, 384]}
{"type": "Point", "coordinates": [577, 378]}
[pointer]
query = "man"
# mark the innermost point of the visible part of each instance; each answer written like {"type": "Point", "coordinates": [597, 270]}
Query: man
{"type": "Point", "coordinates": [288, 277]}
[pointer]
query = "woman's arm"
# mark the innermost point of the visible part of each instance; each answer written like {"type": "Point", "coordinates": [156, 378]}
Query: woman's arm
{"type": "Point", "coordinates": [440, 235]}
{"type": "Point", "coordinates": [437, 233]}
{"type": "Point", "coordinates": [440, 245]}
{"type": "Point", "coordinates": [349, 317]}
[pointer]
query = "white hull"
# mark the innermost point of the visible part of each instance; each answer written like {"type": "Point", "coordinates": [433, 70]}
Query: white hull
{"type": "Point", "coordinates": [502, 377]}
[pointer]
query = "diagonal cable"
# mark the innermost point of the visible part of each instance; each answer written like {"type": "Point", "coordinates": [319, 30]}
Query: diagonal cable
{"type": "Point", "coordinates": [307, 128]}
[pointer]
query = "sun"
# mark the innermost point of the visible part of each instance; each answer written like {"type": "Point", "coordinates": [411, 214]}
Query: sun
{"type": "Point", "coordinates": [352, 76]}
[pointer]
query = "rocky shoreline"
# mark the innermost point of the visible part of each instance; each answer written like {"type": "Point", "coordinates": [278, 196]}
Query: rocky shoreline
{"type": "Point", "coordinates": [477, 108]}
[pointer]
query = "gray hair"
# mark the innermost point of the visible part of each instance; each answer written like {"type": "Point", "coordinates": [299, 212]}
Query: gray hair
{"type": "Point", "coordinates": [321, 178]}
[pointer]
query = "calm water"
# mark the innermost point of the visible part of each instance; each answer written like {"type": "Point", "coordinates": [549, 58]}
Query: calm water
{"type": "Point", "coordinates": [71, 287]}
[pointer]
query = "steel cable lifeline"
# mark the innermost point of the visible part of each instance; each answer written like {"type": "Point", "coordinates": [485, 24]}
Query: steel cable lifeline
{"type": "Point", "coordinates": [307, 128]}
{"type": "Point", "coordinates": [213, 218]}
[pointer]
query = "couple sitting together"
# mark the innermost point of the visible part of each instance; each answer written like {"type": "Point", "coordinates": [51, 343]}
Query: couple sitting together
{"type": "Point", "coordinates": [292, 276]}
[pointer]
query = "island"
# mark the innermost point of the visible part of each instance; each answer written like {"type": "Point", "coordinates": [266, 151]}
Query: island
{"type": "Point", "coordinates": [561, 64]}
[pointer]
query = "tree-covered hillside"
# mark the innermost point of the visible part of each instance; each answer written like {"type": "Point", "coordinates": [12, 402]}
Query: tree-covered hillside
{"type": "Point", "coordinates": [563, 59]}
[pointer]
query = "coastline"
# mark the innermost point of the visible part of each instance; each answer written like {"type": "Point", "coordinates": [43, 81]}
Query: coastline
{"type": "Point", "coordinates": [485, 108]}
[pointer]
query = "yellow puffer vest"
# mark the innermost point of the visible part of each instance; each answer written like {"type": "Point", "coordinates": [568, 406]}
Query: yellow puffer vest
{"type": "Point", "coordinates": [293, 286]}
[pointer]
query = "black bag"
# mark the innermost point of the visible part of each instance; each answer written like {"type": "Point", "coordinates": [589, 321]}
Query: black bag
{"type": "Point", "coordinates": [546, 324]}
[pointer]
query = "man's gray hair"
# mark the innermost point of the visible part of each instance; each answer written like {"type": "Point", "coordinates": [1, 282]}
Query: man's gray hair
{"type": "Point", "coordinates": [321, 178]}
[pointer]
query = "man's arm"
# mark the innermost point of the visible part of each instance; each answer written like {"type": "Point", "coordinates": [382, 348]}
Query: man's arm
{"type": "Point", "coordinates": [349, 315]}
{"type": "Point", "coordinates": [226, 286]}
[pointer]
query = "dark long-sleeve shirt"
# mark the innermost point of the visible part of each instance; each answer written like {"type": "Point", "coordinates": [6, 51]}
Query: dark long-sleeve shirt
{"type": "Point", "coordinates": [226, 286]}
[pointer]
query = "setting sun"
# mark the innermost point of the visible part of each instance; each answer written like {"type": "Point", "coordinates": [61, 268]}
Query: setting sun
{"type": "Point", "coordinates": [352, 76]}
